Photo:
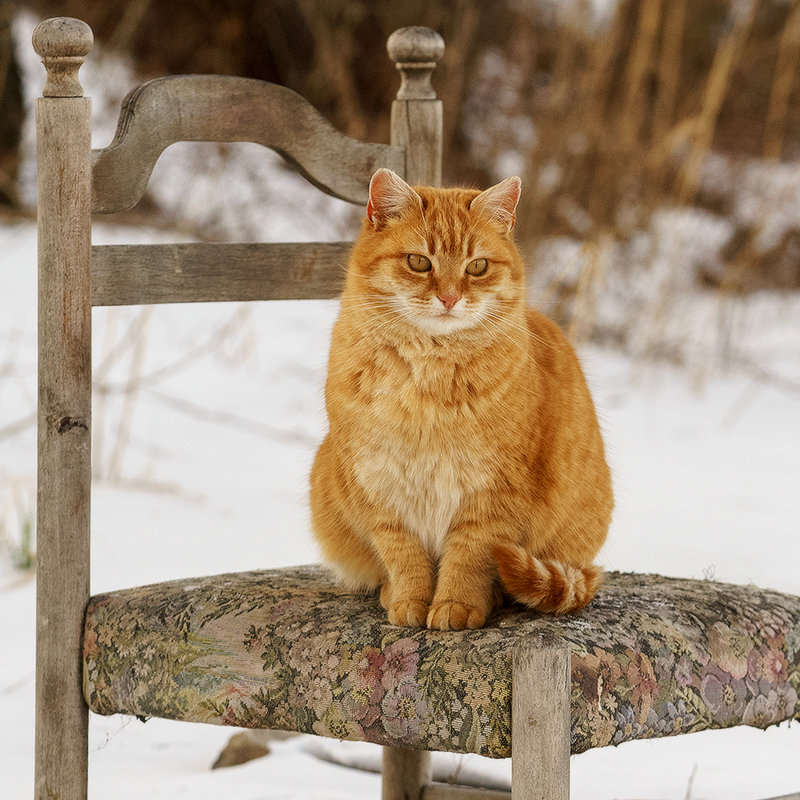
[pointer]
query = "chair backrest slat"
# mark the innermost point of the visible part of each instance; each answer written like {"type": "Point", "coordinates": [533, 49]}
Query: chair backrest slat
{"type": "Point", "coordinates": [191, 273]}
{"type": "Point", "coordinates": [219, 108]}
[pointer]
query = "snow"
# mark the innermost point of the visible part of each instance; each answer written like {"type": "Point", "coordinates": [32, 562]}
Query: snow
{"type": "Point", "coordinates": [206, 419]}
{"type": "Point", "coordinates": [642, 294]}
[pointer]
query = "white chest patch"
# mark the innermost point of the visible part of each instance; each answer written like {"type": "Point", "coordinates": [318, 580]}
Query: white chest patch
{"type": "Point", "coordinates": [424, 489]}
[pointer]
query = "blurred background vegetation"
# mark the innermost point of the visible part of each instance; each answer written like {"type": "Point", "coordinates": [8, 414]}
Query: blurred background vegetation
{"type": "Point", "coordinates": [609, 110]}
{"type": "Point", "coordinates": [658, 142]}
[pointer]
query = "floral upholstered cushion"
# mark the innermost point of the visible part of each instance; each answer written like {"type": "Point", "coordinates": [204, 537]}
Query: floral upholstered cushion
{"type": "Point", "coordinates": [286, 649]}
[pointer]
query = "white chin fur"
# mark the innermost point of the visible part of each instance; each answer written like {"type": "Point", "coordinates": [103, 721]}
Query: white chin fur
{"type": "Point", "coordinates": [440, 323]}
{"type": "Point", "coordinates": [443, 324]}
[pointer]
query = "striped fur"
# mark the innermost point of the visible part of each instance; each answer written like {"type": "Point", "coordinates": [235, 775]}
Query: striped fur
{"type": "Point", "coordinates": [544, 584]}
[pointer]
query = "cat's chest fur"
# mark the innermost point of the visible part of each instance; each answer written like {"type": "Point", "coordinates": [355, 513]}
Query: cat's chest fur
{"type": "Point", "coordinates": [423, 453]}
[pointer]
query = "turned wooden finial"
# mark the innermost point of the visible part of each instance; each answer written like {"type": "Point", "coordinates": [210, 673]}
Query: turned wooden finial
{"type": "Point", "coordinates": [415, 52]}
{"type": "Point", "coordinates": [63, 43]}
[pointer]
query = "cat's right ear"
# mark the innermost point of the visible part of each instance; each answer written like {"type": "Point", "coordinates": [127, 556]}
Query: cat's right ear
{"type": "Point", "coordinates": [389, 196]}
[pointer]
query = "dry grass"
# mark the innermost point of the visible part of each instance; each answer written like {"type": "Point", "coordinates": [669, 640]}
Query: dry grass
{"type": "Point", "coordinates": [627, 120]}
{"type": "Point", "coordinates": [783, 85]}
{"type": "Point", "coordinates": [17, 522]}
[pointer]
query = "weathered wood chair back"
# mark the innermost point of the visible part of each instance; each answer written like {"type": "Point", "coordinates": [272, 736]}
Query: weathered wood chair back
{"type": "Point", "coordinates": [73, 183]}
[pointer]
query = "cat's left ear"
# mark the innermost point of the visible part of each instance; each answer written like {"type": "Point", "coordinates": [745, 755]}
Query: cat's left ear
{"type": "Point", "coordinates": [500, 202]}
{"type": "Point", "coordinates": [389, 196]}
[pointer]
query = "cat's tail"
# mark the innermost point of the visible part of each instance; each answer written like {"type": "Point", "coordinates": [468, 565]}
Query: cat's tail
{"type": "Point", "coordinates": [550, 586]}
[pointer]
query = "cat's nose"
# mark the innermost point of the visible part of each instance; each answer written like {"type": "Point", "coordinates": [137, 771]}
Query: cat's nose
{"type": "Point", "coordinates": [449, 299]}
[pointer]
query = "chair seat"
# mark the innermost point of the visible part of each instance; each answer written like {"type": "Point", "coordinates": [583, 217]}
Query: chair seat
{"type": "Point", "coordinates": [286, 649]}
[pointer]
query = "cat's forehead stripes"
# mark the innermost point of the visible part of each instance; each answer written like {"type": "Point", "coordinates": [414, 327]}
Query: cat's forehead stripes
{"type": "Point", "coordinates": [449, 224]}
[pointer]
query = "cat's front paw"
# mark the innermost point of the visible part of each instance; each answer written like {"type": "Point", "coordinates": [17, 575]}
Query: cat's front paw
{"type": "Point", "coordinates": [408, 613]}
{"type": "Point", "coordinates": [453, 616]}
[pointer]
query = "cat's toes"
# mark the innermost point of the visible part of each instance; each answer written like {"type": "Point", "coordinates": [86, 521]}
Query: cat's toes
{"type": "Point", "coordinates": [386, 596]}
{"type": "Point", "coordinates": [408, 613]}
{"type": "Point", "coordinates": [452, 616]}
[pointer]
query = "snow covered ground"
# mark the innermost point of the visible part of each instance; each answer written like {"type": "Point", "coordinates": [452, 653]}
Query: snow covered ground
{"type": "Point", "coordinates": [206, 421]}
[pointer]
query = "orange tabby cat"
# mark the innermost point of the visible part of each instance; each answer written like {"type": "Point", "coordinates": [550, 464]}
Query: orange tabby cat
{"type": "Point", "coordinates": [463, 442]}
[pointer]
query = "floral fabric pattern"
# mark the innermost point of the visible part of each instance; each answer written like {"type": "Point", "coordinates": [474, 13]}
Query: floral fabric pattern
{"type": "Point", "coordinates": [286, 649]}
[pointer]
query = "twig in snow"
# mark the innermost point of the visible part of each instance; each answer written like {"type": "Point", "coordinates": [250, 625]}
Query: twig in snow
{"type": "Point", "coordinates": [211, 344]}
{"type": "Point", "coordinates": [126, 416]}
{"type": "Point", "coordinates": [233, 420]}
{"type": "Point", "coordinates": [691, 783]}
{"type": "Point", "coordinates": [14, 428]}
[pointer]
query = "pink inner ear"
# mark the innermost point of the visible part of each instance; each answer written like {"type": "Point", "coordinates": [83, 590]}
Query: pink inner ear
{"type": "Point", "coordinates": [507, 196]}
{"type": "Point", "coordinates": [389, 195]}
{"type": "Point", "coordinates": [512, 196]}
{"type": "Point", "coordinates": [500, 201]}
{"type": "Point", "coordinates": [377, 189]}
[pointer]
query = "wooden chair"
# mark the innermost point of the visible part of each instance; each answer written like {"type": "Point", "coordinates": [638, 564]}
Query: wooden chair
{"type": "Point", "coordinates": [285, 649]}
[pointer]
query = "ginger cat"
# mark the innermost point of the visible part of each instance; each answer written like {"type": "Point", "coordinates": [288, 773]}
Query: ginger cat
{"type": "Point", "coordinates": [463, 443]}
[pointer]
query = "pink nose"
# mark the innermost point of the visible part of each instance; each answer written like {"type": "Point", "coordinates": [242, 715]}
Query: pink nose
{"type": "Point", "coordinates": [449, 299]}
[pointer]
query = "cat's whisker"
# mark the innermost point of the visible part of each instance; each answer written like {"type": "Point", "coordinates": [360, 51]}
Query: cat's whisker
{"type": "Point", "coordinates": [504, 321]}
{"type": "Point", "coordinates": [373, 301]}
{"type": "Point", "coordinates": [381, 311]}
{"type": "Point", "coordinates": [495, 327]}
{"type": "Point", "coordinates": [342, 267]}
{"type": "Point", "coordinates": [521, 328]}
{"type": "Point", "coordinates": [385, 313]}
{"type": "Point", "coordinates": [369, 304]}
{"type": "Point", "coordinates": [536, 338]}
{"type": "Point", "coordinates": [388, 317]}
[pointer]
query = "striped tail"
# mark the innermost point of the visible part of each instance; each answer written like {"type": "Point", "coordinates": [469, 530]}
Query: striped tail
{"type": "Point", "coordinates": [549, 586]}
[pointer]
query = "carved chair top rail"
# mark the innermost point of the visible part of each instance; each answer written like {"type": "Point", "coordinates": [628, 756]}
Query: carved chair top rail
{"type": "Point", "coordinates": [218, 108]}
{"type": "Point", "coordinates": [230, 109]}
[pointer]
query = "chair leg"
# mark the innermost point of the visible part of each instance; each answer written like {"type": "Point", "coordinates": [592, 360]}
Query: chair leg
{"type": "Point", "coordinates": [63, 130]}
{"type": "Point", "coordinates": [405, 773]}
{"type": "Point", "coordinates": [62, 753]}
{"type": "Point", "coordinates": [540, 720]}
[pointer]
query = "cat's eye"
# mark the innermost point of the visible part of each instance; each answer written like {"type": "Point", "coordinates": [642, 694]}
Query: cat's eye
{"type": "Point", "coordinates": [478, 266]}
{"type": "Point", "coordinates": [418, 263]}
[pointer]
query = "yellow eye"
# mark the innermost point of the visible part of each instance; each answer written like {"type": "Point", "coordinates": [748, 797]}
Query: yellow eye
{"type": "Point", "coordinates": [418, 263]}
{"type": "Point", "coordinates": [478, 266]}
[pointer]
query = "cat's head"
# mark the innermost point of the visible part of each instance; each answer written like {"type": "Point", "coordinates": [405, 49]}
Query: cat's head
{"type": "Point", "coordinates": [442, 260]}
